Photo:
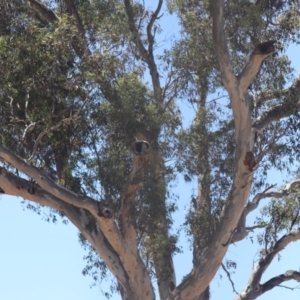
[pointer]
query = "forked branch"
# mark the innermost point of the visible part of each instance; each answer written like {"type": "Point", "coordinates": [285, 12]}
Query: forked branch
{"type": "Point", "coordinates": [254, 289]}
{"type": "Point", "coordinates": [47, 184]}
{"type": "Point", "coordinates": [277, 280]}
{"type": "Point", "coordinates": [74, 12]}
{"type": "Point", "coordinates": [290, 105]}
{"type": "Point", "coordinates": [251, 68]}
{"type": "Point", "coordinates": [242, 231]}
{"type": "Point", "coordinates": [13, 185]}
{"type": "Point", "coordinates": [146, 54]}
{"type": "Point", "coordinates": [140, 161]}
{"type": "Point", "coordinates": [217, 13]}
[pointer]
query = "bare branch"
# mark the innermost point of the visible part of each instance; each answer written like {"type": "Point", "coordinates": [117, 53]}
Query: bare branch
{"type": "Point", "coordinates": [229, 277]}
{"type": "Point", "coordinates": [53, 128]}
{"type": "Point", "coordinates": [241, 230]}
{"type": "Point", "coordinates": [276, 194]}
{"type": "Point", "coordinates": [150, 26]}
{"type": "Point", "coordinates": [261, 225]}
{"type": "Point", "coordinates": [208, 262]}
{"type": "Point", "coordinates": [15, 186]}
{"type": "Point", "coordinates": [276, 281]}
{"type": "Point", "coordinates": [147, 55]}
{"type": "Point", "coordinates": [290, 105]}
{"type": "Point", "coordinates": [260, 99]}
{"type": "Point", "coordinates": [251, 68]}
{"type": "Point", "coordinates": [98, 241]}
{"type": "Point", "coordinates": [59, 199]}
{"type": "Point", "coordinates": [43, 10]}
{"type": "Point", "coordinates": [102, 213]}
{"type": "Point", "coordinates": [270, 284]}
{"type": "Point", "coordinates": [254, 289]}
{"type": "Point", "coordinates": [73, 11]}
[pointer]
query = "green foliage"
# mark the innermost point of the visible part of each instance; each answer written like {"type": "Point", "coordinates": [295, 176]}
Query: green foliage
{"type": "Point", "coordinates": [91, 107]}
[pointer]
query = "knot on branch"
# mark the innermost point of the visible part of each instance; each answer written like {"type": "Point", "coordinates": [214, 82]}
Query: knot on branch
{"type": "Point", "coordinates": [104, 211]}
{"type": "Point", "coordinates": [265, 48]}
{"type": "Point", "coordinates": [292, 274]}
{"type": "Point", "coordinates": [141, 147]}
{"type": "Point", "coordinates": [249, 161]}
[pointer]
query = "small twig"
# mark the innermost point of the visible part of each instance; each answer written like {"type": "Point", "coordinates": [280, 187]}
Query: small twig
{"type": "Point", "coordinates": [21, 141]}
{"type": "Point", "coordinates": [48, 130]}
{"type": "Point", "coordinates": [229, 277]}
{"type": "Point", "coordinates": [289, 288]}
{"type": "Point", "coordinates": [257, 226]}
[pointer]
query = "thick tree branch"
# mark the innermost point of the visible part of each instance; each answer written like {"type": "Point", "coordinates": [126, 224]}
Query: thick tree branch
{"type": "Point", "coordinates": [276, 281]}
{"type": "Point", "coordinates": [290, 105]}
{"type": "Point", "coordinates": [254, 289]}
{"type": "Point", "coordinates": [47, 184]}
{"type": "Point", "coordinates": [261, 225]}
{"type": "Point", "coordinates": [147, 55]}
{"type": "Point", "coordinates": [209, 261]}
{"type": "Point", "coordinates": [16, 186]}
{"type": "Point", "coordinates": [101, 212]}
{"type": "Point", "coordinates": [114, 251]}
{"type": "Point", "coordinates": [211, 256]}
{"type": "Point", "coordinates": [73, 11]}
{"type": "Point", "coordinates": [51, 17]}
{"type": "Point", "coordinates": [94, 235]}
{"type": "Point", "coordinates": [140, 161]}
{"type": "Point", "coordinates": [251, 68]}
{"type": "Point", "coordinates": [43, 11]}
{"type": "Point", "coordinates": [217, 13]}
{"type": "Point", "coordinates": [260, 99]}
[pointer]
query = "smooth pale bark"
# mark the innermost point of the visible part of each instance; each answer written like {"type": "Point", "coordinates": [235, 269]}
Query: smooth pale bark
{"type": "Point", "coordinates": [211, 257]}
{"type": "Point", "coordinates": [140, 163]}
{"type": "Point", "coordinates": [138, 277]}
{"type": "Point", "coordinates": [13, 185]}
{"type": "Point", "coordinates": [146, 50]}
{"type": "Point", "coordinates": [117, 246]}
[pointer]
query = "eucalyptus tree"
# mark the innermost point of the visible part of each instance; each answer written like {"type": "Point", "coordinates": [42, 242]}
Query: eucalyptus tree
{"type": "Point", "coordinates": [85, 136]}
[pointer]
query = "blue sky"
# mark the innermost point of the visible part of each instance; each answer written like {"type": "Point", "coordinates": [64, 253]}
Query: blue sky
{"type": "Point", "coordinates": [41, 261]}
